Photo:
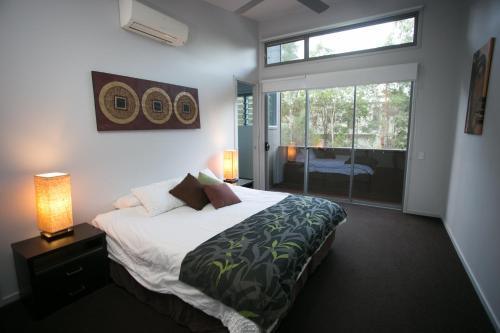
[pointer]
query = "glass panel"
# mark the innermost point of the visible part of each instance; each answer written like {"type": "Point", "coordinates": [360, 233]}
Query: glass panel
{"type": "Point", "coordinates": [285, 52]}
{"type": "Point", "coordinates": [292, 51]}
{"type": "Point", "coordinates": [292, 118]}
{"type": "Point", "coordinates": [363, 38]}
{"type": "Point", "coordinates": [330, 133]}
{"type": "Point", "coordinates": [249, 110]}
{"type": "Point", "coordinates": [381, 136]}
{"type": "Point", "coordinates": [241, 111]}
{"type": "Point", "coordinates": [286, 155]}
{"type": "Point", "coordinates": [272, 109]}
{"type": "Point", "coordinates": [244, 105]}
{"type": "Point", "coordinates": [273, 54]}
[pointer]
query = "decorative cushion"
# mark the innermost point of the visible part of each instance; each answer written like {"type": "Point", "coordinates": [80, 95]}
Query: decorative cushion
{"type": "Point", "coordinates": [191, 192]}
{"type": "Point", "coordinates": [221, 195]}
{"type": "Point", "coordinates": [156, 198]}
{"type": "Point", "coordinates": [126, 201]}
{"type": "Point", "coordinates": [209, 173]}
{"type": "Point", "coordinates": [205, 179]}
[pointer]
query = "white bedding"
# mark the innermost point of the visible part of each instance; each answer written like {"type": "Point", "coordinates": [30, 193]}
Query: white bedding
{"type": "Point", "coordinates": [152, 248]}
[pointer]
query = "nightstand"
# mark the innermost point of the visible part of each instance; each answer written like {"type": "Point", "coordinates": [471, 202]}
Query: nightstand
{"type": "Point", "coordinates": [243, 182]}
{"type": "Point", "coordinates": [53, 274]}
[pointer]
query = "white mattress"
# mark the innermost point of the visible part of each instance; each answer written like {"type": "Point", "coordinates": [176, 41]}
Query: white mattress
{"type": "Point", "coordinates": [152, 248]}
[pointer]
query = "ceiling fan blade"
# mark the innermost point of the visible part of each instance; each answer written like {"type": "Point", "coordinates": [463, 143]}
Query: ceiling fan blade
{"type": "Point", "coordinates": [317, 5]}
{"type": "Point", "coordinates": [246, 7]}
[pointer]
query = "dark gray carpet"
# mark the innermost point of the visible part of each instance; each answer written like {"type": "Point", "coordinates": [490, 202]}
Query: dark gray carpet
{"type": "Point", "coordinates": [386, 272]}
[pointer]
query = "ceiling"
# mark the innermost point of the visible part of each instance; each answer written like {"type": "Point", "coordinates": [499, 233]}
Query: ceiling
{"type": "Point", "coordinates": [265, 10]}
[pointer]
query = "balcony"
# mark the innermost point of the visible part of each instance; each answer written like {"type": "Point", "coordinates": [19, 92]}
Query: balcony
{"type": "Point", "coordinates": [375, 175]}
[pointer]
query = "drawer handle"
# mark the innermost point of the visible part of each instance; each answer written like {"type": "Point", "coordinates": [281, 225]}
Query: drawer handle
{"type": "Point", "coordinates": [77, 291]}
{"type": "Point", "coordinates": [76, 271]}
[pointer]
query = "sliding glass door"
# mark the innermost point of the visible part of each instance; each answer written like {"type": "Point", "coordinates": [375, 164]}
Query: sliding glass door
{"type": "Point", "coordinates": [344, 143]}
{"type": "Point", "coordinates": [330, 129]}
{"type": "Point", "coordinates": [380, 142]}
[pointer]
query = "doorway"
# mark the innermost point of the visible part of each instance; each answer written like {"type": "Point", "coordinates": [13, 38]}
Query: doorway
{"type": "Point", "coordinates": [345, 143]}
{"type": "Point", "coordinates": [245, 121]}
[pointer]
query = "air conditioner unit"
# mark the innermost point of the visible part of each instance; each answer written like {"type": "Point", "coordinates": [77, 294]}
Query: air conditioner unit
{"type": "Point", "coordinates": [141, 19]}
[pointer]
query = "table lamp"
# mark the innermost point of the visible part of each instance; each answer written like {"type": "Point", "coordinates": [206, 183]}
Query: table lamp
{"type": "Point", "coordinates": [292, 153]}
{"type": "Point", "coordinates": [231, 166]}
{"type": "Point", "coordinates": [53, 205]}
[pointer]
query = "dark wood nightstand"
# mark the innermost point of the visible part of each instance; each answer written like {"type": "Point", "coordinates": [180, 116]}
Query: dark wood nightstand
{"type": "Point", "coordinates": [243, 182]}
{"type": "Point", "coordinates": [53, 274]}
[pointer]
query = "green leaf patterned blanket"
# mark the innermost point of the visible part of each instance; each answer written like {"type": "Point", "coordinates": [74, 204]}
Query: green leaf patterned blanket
{"type": "Point", "coordinates": [253, 266]}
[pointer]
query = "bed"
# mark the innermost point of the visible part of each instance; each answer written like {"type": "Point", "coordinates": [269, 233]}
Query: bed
{"type": "Point", "coordinates": [334, 164]}
{"type": "Point", "coordinates": [181, 253]}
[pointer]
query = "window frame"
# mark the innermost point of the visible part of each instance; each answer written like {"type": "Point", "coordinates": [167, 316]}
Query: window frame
{"type": "Point", "coordinates": [286, 41]}
{"type": "Point", "coordinates": [305, 37]}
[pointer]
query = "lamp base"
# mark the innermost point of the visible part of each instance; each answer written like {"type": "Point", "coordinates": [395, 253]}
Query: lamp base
{"type": "Point", "coordinates": [50, 236]}
{"type": "Point", "coordinates": [231, 181]}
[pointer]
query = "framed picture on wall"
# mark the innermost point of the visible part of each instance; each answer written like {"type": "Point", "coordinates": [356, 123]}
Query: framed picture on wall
{"type": "Point", "coordinates": [478, 90]}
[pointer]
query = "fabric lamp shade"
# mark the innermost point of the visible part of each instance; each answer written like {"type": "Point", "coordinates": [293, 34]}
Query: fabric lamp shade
{"type": "Point", "coordinates": [231, 165]}
{"type": "Point", "coordinates": [53, 203]}
{"type": "Point", "coordinates": [292, 152]}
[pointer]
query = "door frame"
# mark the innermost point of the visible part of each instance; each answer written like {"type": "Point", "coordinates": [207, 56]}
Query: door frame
{"type": "Point", "coordinates": [255, 127]}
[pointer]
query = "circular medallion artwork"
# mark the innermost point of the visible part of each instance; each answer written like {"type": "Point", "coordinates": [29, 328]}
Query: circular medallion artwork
{"type": "Point", "coordinates": [156, 105]}
{"type": "Point", "coordinates": [185, 108]}
{"type": "Point", "coordinates": [119, 102]}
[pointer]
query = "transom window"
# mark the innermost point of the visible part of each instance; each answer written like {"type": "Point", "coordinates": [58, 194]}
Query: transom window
{"type": "Point", "coordinates": [387, 33]}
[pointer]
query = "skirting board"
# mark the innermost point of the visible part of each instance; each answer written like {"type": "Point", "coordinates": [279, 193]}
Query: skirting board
{"type": "Point", "coordinates": [9, 298]}
{"type": "Point", "coordinates": [475, 284]}
{"type": "Point", "coordinates": [421, 213]}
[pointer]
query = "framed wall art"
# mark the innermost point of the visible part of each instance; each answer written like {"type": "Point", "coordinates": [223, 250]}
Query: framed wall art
{"type": "Point", "coordinates": [478, 90]}
{"type": "Point", "coordinates": [126, 103]}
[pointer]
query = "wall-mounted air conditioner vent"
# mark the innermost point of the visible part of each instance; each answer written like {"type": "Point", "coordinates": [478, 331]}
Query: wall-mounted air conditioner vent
{"type": "Point", "coordinates": [141, 19]}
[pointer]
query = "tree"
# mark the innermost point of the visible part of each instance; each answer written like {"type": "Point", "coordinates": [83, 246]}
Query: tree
{"type": "Point", "coordinates": [290, 51]}
{"type": "Point", "coordinates": [330, 117]}
{"type": "Point", "coordinates": [382, 114]}
{"type": "Point", "coordinates": [293, 114]}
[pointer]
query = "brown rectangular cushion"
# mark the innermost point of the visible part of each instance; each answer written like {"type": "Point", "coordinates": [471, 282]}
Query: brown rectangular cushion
{"type": "Point", "coordinates": [191, 192]}
{"type": "Point", "coordinates": [221, 195]}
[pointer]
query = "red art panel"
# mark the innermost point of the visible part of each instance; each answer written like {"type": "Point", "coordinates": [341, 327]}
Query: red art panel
{"type": "Point", "coordinates": [126, 103]}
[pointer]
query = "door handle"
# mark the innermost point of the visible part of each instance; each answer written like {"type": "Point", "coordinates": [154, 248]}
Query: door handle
{"type": "Point", "coordinates": [267, 146]}
{"type": "Point", "coordinates": [76, 271]}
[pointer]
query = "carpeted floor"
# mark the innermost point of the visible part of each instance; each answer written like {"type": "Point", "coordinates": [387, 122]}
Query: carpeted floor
{"type": "Point", "coordinates": [386, 272]}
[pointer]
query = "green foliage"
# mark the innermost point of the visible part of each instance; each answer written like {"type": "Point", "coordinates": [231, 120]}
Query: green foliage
{"type": "Point", "coordinates": [274, 226]}
{"type": "Point", "coordinates": [223, 268]}
{"type": "Point", "coordinates": [331, 117]}
{"type": "Point", "coordinates": [276, 246]}
{"type": "Point", "coordinates": [293, 117]}
{"type": "Point", "coordinates": [402, 32]}
{"type": "Point", "coordinates": [382, 115]}
{"type": "Point", "coordinates": [248, 314]}
{"type": "Point", "coordinates": [291, 51]}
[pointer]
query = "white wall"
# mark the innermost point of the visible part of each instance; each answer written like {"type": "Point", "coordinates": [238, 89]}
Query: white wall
{"type": "Point", "coordinates": [47, 119]}
{"type": "Point", "coordinates": [434, 115]}
{"type": "Point", "coordinates": [473, 213]}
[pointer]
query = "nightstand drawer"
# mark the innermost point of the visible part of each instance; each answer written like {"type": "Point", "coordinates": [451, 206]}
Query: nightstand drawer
{"type": "Point", "coordinates": [72, 279]}
{"type": "Point", "coordinates": [84, 265]}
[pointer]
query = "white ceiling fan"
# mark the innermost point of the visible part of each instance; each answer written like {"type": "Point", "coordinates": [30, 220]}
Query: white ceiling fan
{"type": "Point", "coordinates": [316, 5]}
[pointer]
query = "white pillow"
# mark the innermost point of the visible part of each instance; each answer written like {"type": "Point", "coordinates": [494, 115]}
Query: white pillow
{"type": "Point", "coordinates": [155, 197]}
{"type": "Point", "coordinates": [209, 173]}
{"type": "Point", "coordinates": [126, 201]}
